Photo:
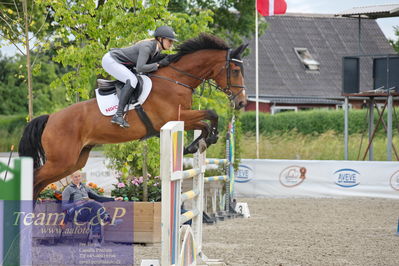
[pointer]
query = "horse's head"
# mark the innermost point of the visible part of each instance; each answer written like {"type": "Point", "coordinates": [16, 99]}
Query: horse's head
{"type": "Point", "coordinates": [223, 65]}
{"type": "Point", "coordinates": [230, 78]}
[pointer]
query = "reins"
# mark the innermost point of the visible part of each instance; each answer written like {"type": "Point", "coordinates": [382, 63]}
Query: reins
{"type": "Point", "coordinates": [226, 90]}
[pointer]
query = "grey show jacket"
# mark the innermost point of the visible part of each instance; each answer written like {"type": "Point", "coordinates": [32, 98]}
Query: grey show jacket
{"type": "Point", "coordinates": [137, 55]}
{"type": "Point", "coordinates": [74, 194]}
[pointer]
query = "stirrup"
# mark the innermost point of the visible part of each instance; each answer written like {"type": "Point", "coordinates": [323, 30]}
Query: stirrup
{"type": "Point", "coordinates": [120, 121]}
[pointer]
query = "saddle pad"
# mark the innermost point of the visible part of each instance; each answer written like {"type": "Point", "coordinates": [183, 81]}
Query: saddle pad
{"type": "Point", "coordinates": [108, 104]}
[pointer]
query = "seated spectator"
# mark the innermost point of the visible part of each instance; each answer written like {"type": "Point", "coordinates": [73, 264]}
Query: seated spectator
{"type": "Point", "coordinates": [81, 205]}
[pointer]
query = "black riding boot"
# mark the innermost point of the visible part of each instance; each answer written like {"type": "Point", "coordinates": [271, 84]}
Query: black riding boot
{"type": "Point", "coordinates": [124, 98]}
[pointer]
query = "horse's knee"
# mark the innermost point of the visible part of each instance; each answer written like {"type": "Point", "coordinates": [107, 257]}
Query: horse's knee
{"type": "Point", "coordinates": [212, 115]}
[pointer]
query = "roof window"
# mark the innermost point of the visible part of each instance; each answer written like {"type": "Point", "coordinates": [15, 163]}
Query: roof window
{"type": "Point", "coordinates": [307, 59]}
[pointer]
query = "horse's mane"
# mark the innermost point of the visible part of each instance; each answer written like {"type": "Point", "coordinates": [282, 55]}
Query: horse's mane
{"type": "Point", "coordinates": [202, 42]}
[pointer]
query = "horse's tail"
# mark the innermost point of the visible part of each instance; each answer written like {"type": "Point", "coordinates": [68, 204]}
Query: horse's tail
{"type": "Point", "coordinates": [31, 141]}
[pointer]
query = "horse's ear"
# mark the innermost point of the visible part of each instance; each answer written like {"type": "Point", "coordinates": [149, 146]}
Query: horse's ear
{"type": "Point", "coordinates": [236, 53]}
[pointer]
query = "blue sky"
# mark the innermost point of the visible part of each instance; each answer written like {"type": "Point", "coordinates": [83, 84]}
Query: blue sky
{"type": "Point", "coordinates": [336, 6]}
{"type": "Point", "coordinates": [319, 7]}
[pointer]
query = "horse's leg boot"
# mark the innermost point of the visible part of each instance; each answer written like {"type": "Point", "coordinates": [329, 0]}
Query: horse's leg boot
{"type": "Point", "coordinates": [123, 100]}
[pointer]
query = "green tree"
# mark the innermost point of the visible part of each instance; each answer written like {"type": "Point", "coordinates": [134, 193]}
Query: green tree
{"type": "Point", "coordinates": [13, 85]}
{"type": "Point", "coordinates": [12, 88]}
{"type": "Point", "coordinates": [88, 29]}
{"type": "Point", "coordinates": [233, 20]}
{"type": "Point", "coordinates": [128, 159]}
{"type": "Point", "coordinates": [23, 24]}
{"type": "Point", "coordinates": [395, 44]}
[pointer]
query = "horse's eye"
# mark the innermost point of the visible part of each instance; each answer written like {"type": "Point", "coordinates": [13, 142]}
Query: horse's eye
{"type": "Point", "coordinates": [236, 72]}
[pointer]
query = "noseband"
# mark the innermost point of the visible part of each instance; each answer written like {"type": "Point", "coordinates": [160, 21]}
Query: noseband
{"type": "Point", "coordinates": [226, 89]}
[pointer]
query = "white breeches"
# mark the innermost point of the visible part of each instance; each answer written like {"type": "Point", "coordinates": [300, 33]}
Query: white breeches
{"type": "Point", "coordinates": [117, 70]}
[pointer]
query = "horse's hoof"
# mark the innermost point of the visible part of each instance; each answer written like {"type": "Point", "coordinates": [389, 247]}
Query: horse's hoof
{"type": "Point", "coordinates": [212, 139]}
{"type": "Point", "coordinates": [191, 149]}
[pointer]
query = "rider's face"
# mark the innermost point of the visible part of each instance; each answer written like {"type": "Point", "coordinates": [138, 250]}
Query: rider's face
{"type": "Point", "coordinates": [167, 43]}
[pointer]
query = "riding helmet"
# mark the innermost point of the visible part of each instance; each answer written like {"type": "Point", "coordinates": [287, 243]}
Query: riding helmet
{"type": "Point", "coordinates": [165, 32]}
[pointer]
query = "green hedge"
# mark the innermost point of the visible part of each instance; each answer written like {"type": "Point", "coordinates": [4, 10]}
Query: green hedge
{"type": "Point", "coordinates": [11, 128]}
{"type": "Point", "coordinates": [305, 122]}
{"type": "Point", "coordinates": [309, 122]}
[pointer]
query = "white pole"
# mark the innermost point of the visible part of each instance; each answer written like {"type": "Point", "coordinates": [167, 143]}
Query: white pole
{"type": "Point", "coordinates": [389, 127]}
{"type": "Point", "coordinates": [346, 126]}
{"type": "Point", "coordinates": [257, 80]}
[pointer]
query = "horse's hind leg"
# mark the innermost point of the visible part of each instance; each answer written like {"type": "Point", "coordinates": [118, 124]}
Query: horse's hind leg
{"type": "Point", "coordinates": [83, 157]}
{"type": "Point", "coordinates": [61, 158]}
{"type": "Point", "coordinates": [51, 172]}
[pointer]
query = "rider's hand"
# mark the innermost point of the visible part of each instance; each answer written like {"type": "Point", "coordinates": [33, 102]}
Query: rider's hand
{"type": "Point", "coordinates": [164, 62]}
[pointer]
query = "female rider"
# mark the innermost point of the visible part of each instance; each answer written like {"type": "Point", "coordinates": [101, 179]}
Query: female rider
{"type": "Point", "coordinates": [117, 61]}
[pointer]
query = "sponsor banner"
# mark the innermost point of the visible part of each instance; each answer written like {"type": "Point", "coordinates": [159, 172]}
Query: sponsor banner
{"type": "Point", "coordinates": [287, 178]}
{"type": "Point", "coordinates": [297, 178]}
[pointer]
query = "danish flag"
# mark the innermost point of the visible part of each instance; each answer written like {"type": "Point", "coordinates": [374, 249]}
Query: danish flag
{"type": "Point", "coordinates": [271, 7]}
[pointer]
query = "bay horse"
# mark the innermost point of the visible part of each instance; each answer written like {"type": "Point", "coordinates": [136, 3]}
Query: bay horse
{"type": "Point", "coordinates": [60, 143]}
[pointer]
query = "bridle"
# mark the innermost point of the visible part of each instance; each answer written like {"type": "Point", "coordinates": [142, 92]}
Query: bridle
{"type": "Point", "coordinates": [226, 89]}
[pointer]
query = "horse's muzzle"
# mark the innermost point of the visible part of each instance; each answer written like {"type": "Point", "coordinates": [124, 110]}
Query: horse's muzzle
{"type": "Point", "coordinates": [241, 105]}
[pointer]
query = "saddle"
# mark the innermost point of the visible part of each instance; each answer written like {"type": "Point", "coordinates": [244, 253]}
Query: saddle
{"type": "Point", "coordinates": [108, 87]}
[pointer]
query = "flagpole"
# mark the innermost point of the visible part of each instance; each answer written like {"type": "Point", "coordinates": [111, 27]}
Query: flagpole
{"type": "Point", "coordinates": [256, 80]}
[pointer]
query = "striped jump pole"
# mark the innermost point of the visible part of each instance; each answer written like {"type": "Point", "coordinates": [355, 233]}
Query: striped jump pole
{"type": "Point", "coordinates": [230, 144]}
{"type": "Point", "coordinates": [225, 200]}
{"type": "Point", "coordinates": [16, 200]}
{"type": "Point", "coordinates": [217, 192]}
{"type": "Point", "coordinates": [172, 175]}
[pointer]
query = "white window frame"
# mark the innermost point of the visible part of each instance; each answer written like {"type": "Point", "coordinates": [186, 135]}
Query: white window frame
{"type": "Point", "coordinates": [308, 61]}
{"type": "Point", "coordinates": [341, 106]}
{"type": "Point", "coordinates": [276, 109]}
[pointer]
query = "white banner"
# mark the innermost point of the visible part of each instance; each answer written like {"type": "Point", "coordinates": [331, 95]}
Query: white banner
{"type": "Point", "coordinates": [297, 178]}
{"type": "Point", "coordinates": [289, 178]}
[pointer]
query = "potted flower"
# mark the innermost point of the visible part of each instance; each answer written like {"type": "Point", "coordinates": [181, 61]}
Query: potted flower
{"type": "Point", "coordinates": [131, 188]}
{"type": "Point", "coordinates": [49, 193]}
{"type": "Point", "coordinates": [96, 188]}
{"type": "Point", "coordinates": [145, 216]}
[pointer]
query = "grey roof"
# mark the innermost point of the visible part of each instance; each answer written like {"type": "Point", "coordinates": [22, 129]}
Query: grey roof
{"type": "Point", "coordinates": [327, 38]}
{"type": "Point", "coordinates": [374, 12]}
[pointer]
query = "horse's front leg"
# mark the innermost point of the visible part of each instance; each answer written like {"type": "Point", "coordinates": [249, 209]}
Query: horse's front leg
{"type": "Point", "coordinates": [213, 135]}
{"type": "Point", "coordinates": [195, 145]}
{"type": "Point", "coordinates": [193, 120]}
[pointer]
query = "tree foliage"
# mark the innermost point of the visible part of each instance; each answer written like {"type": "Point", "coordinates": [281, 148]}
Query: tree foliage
{"type": "Point", "coordinates": [24, 24]}
{"type": "Point", "coordinates": [12, 24]}
{"type": "Point", "coordinates": [86, 30]}
{"type": "Point", "coordinates": [128, 158]}
{"type": "Point", "coordinates": [395, 44]}
{"type": "Point", "coordinates": [13, 87]}
{"type": "Point", "coordinates": [233, 20]}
